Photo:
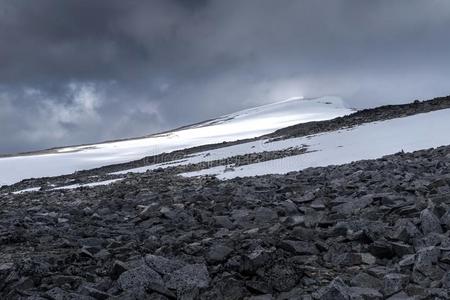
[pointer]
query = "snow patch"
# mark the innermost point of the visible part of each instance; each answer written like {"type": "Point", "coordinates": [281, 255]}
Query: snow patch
{"type": "Point", "coordinates": [367, 141]}
{"type": "Point", "coordinates": [91, 184]}
{"type": "Point", "coordinates": [34, 189]}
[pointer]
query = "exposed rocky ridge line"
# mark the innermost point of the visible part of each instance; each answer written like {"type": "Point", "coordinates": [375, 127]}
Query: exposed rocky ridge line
{"type": "Point", "coordinates": [377, 229]}
{"type": "Point", "coordinates": [381, 113]}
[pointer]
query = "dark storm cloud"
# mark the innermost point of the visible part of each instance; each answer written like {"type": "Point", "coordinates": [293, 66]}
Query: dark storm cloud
{"type": "Point", "coordinates": [78, 71]}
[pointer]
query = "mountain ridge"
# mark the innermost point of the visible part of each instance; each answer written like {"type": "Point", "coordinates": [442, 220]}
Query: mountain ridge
{"type": "Point", "coordinates": [380, 113]}
{"type": "Point", "coordinates": [169, 131]}
{"type": "Point", "coordinates": [261, 121]}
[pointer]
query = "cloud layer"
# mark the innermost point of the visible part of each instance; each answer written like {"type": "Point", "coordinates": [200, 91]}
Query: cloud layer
{"type": "Point", "coordinates": [82, 71]}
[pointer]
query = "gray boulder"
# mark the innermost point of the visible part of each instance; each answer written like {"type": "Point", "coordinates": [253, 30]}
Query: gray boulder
{"type": "Point", "coordinates": [142, 276]}
{"type": "Point", "coordinates": [394, 283]}
{"type": "Point", "coordinates": [188, 278]}
{"type": "Point", "coordinates": [429, 222]}
{"type": "Point", "coordinates": [336, 290]}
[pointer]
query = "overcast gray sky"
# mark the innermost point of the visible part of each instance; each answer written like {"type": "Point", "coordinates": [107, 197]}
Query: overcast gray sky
{"type": "Point", "coordinates": [80, 71]}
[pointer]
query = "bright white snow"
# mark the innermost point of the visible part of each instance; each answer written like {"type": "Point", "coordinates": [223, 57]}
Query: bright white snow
{"type": "Point", "coordinates": [368, 141]}
{"type": "Point", "coordinates": [245, 124]}
{"type": "Point", "coordinates": [91, 184]}
{"type": "Point", "coordinates": [73, 186]}
{"type": "Point", "coordinates": [34, 189]}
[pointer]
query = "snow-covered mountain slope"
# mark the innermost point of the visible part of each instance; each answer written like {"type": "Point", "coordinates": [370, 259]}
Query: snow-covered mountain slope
{"type": "Point", "coordinates": [367, 141]}
{"type": "Point", "coordinates": [245, 124]}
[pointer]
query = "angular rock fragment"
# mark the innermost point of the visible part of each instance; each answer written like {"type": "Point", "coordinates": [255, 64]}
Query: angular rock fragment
{"type": "Point", "coordinates": [401, 249]}
{"type": "Point", "coordinates": [188, 278]}
{"type": "Point", "coordinates": [94, 293]}
{"type": "Point", "coordinates": [223, 221]}
{"type": "Point", "coordinates": [142, 276]}
{"type": "Point", "coordinates": [365, 280]}
{"type": "Point", "coordinates": [283, 277]}
{"type": "Point", "coordinates": [250, 263]}
{"type": "Point", "coordinates": [336, 290]}
{"type": "Point", "coordinates": [299, 247]}
{"type": "Point", "coordinates": [426, 260]}
{"type": "Point", "coordinates": [163, 265]}
{"type": "Point", "coordinates": [264, 215]}
{"type": "Point", "coordinates": [381, 249]}
{"type": "Point", "coordinates": [394, 283]}
{"type": "Point", "coordinates": [218, 253]}
{"type": "Point", "coordinates": [429, 222]}
{"type": "Point", "coordinates": [357, 293]}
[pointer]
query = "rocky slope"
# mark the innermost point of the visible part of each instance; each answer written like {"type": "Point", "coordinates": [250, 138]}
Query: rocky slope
{"type": "Point", "coordinates": [376, 229]}
{"type": "Point", "coordinates": [368, 230]}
